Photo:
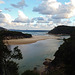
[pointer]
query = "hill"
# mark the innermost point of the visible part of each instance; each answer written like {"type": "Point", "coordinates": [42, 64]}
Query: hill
{"type": "Point", "coordinates": [1, 28]}
{"type": "Point", "coordinates": [13, 35]}
{"type": "Point", "coordinates": [62, 30]}
{"type": "Point", "coordinates": [7, 34]}
{"type": "Point", "coordinates": [64, 61]}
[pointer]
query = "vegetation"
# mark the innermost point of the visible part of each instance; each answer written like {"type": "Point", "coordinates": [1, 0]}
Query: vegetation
{"type": "Point", "coordinates": [1, 28]}
{"type": "Point", "coordinates": [14, 35]}
{"type": "Point", "coordinates": [62, 30]}
{"type": "Point", "coordinates": [63, 64]}
{"type": "Point", "coordinates": [7, 65]}
{"type": "Point", "coordinates": [28, 72]}
{"type": "Point", "coordinates": [65, 58]}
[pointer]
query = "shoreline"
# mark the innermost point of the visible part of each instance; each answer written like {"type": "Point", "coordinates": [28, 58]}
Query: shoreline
{"type": "Point", "coordinates": [28, 40]}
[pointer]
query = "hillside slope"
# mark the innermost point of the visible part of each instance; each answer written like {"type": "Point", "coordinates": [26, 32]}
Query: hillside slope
{"type": "Point", "coordinates": [62, 30]}
{"type": "Point", "coordinates": [1, 28]}
{"type": "Point", "coordinates": [13, 35]}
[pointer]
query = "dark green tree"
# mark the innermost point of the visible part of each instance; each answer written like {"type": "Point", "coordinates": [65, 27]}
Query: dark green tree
{"type": "Point", "coordinates": [28, 72]}
{"type": "Point", "coordinates": [66, 55]}
{"type": "Point", "coordinates": [7, 65]}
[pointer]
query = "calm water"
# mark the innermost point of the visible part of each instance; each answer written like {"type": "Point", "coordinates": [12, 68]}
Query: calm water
{"type": "Point", "coordinates": [34, 54]}
{"type": "Point", "coordinates": [34, 32]}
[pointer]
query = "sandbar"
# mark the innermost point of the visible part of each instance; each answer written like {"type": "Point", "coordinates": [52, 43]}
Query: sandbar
{"type": "Point", "coordinates": [28, 40]}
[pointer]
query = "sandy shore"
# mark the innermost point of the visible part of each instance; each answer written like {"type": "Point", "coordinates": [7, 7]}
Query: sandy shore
{"type": "Point", "coordinates": [28, 40]}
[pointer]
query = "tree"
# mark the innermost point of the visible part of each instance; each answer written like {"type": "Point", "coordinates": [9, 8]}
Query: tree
{"type": "Point", "coordinates": [66, 55]}
{"type": "Point", "coordinates": [7, 65]}
{"type": "Point", "coordinates": [28, 72]}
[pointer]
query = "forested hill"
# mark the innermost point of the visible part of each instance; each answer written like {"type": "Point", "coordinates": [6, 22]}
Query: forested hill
{"type": "Point", "coordinates": [14, 35]}
{"type": "Point", "coordinates": [1, 28]}
{"type": "Point", "coordinates": [64, 61]}
{"type": "Point", "coordinates": [62, 30]}
{"type": "Point", "coordinates": [6, 34]}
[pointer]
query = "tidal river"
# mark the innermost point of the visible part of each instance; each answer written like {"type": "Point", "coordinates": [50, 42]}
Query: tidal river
{"type": "Point", "coordinates": [34, 54]}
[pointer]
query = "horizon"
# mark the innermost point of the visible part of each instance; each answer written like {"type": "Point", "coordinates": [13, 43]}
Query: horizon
{"type": "Point", "coordinates": [36, 14]}
{"type": "Point", "coordinates": [37, 29]}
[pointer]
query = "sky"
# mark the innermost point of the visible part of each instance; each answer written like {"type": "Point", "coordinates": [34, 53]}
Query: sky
{"type": "Point", "coordinates": [36, 14]}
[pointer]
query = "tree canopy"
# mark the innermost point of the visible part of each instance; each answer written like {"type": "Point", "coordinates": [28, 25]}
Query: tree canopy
{"type": "Point", "coordinates": [7, 65]}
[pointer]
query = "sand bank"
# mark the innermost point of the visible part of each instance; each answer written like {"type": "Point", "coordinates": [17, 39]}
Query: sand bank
{"type": "Point", "coordinates": [28, 40]}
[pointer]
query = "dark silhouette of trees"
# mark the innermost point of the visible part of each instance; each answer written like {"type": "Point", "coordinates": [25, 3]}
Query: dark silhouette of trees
{"type": "Point", "coordinates": [28, 72]}
{"type": "Point", "coordinates": [62, 30]}
{"type": "Point", "coordinates": [7, 65]}
{"type": "Point", "coordinates": [14, 35]}
{"type": "Point", "coordinates": [66, 55]}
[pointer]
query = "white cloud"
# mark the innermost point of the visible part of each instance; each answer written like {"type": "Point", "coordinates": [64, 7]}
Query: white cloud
{"type": "Point", "coordinates": [0, 11]}
{"type": "Point", "coordinates": [8, 18]}
{"type": "Point", "coordinates": [73, 2]}
{"type": "Point", "coordinates": [66, 22]}
{"type": "Point", "coordinates": [2, 2]}
{"type": "Point", "coordinates": [47, 7]}
{"type": "Point", "coordinates": [22, 18]}
{"type": "Point", "coordinates": [20, 4]}
{"type": "Point", "coordinates": [5, 18]}
{"type": "Point", "coordinates": [56, 9]}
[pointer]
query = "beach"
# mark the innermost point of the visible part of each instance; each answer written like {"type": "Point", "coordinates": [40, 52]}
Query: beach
{"type": "Point", "coordinates": [28, 40]}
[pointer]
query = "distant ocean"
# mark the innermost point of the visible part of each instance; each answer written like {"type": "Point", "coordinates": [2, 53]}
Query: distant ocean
{"type": "Point", "coordinates": [33, 32]}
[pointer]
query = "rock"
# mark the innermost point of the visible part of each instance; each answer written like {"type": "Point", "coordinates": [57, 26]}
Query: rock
{"type": "Point", "coordinates": [47, 61]}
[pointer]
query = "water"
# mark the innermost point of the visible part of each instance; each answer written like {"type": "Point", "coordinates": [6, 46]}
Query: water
{"type": "Point", "coordinates": [34, 54]}
{"type": "Point", "coordinates": [33, 32]}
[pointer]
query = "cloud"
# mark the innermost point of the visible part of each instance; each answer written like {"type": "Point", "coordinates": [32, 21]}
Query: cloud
{"type": "Point", "coordinates": [47, 7]}
{"type": "Point", "coordinates": [8, 18]}
{"type": "Point", "coordinates": [73, 2]}
{"type": "Point", "coordinates": [66, 22]}
{"type": "Point", "coordinates": [20, 4]}
{"type": "Point", "coordinates": [2, 15]}
{"type": "Point", "coordinates": [2, 2]}
{"type": "Point", "coordinates": [5, 18]}
{"type": "Point", "coordinates": [42, 19]}
{"type": "Point", "coordinates": [0, 10]}
{"type": "Point", "coordinates": [22, 18]}
{"type": "Point", "coordinates": [8, 9]}
{"type": "Point", "coordinates": [6, 21]}
{"type": "Point", "coordinates": [59, 16]}
{"type": "Point", "coordinates": [56, 9]}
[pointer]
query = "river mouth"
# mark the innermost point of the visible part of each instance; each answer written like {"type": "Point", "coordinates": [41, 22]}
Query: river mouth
{"type": "Point", "coordinates": [34, 54]}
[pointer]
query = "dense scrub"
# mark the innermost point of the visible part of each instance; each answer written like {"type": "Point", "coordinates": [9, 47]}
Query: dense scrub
{"type": "Point", "coordinates": [65, 57]}
{"type": "Point", "coordinates": [7, 65]}
{"type": "Point", "coordinates": [14, 35]}
{"type": "Point", "coordinates": [62, 30]}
